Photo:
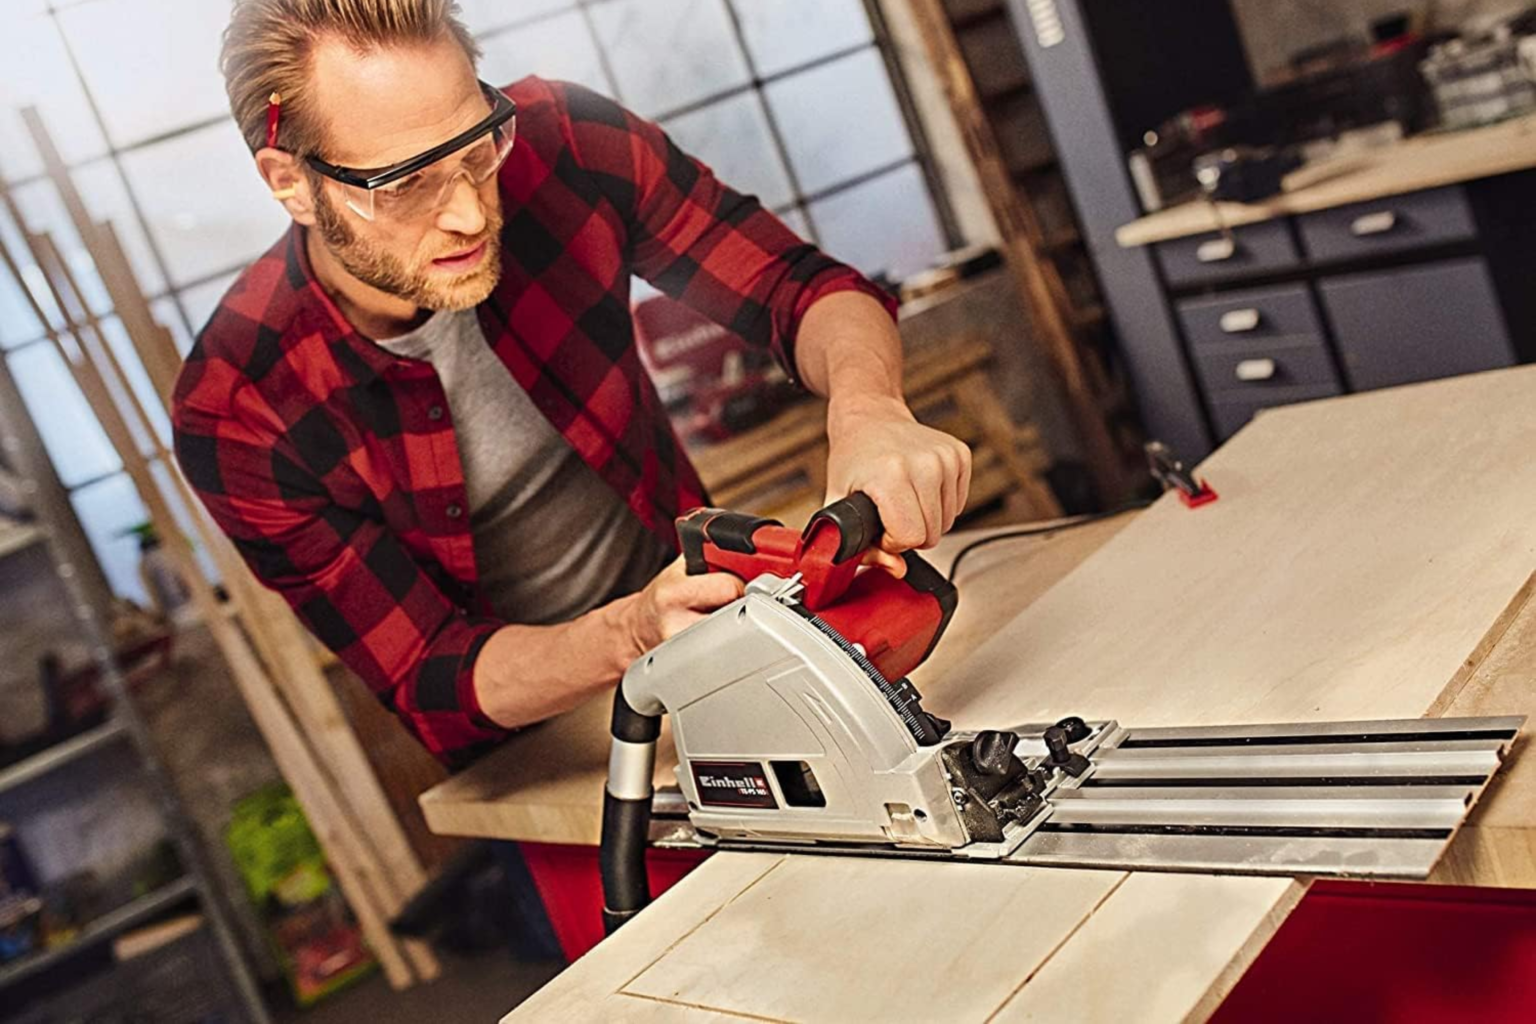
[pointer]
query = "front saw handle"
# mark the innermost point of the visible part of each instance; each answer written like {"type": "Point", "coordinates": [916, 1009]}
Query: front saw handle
{"type": "Point", "coordinates": [857, 522]}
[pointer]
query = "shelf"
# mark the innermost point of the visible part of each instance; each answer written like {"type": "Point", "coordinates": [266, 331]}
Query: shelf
{"type": "Point", "coordinates": [47, 760]}
{"type": "Point", "coordinates": [1043, 164]}
{"type": "Point", "coordinates": [19, 538]}
{"type": "Point", "coordinates": [1088, 316]}
{"type": "Point", "coordinates": [959, 23]}
{"type": "Point", "coordinates": [1066, 238]}
{"type": "Point", "coordinates": [100, 930]}
{"type": "Point", "coordinates": [1010, 91]}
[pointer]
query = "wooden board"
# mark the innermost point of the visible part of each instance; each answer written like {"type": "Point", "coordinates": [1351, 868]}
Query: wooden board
{"type": "Point", "coordinates": [1117, 965]}
{"type": "Point", "coordinates": [1497, 845]}
{"type": "Point", "coordinates": [788, 938]}
{"type": "Point", "coordinates": [1425, 161]}
{"type": "Point", "coordinates": [1360, 551]}
{"type": "Point", "coordinates": [600, 975]}
{"type": "Point", "coordinates": [1369, 557]}
{"type": "Point", "coordinates": [983, 923]}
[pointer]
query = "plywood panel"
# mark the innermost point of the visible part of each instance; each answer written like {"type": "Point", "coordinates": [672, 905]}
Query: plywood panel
{"type": "Point", "coordinates": [1162, 948]}
{"type": "Point", "coordinates": [1360, 551]}
{"type": "Point", "coordinates": [876, 940]}
{"type": "Point", "coordinates": [1368, 558]}
{"type": "Point", "coordinates": [625, 1009]}
{"type": "Point", "coordinates": [1497, 845]}
{"type": "Point", "coordinates": [806, 939]}
{"type": "Point", "coordinates": [583, 991]}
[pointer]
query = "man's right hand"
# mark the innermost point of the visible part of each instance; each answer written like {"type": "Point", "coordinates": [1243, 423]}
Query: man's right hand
{"type": "Point", "coordinates": [673, 601]}
{"type": "Point", "coordinates": [525, 674]}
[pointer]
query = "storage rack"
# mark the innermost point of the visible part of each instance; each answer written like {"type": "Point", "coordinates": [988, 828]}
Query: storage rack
{"type": "Point", "coordinates": [55, 528]}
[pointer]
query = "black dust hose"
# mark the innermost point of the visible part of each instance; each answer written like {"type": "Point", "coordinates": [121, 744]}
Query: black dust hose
{"type": "Point", "coordinates": [627, 813]}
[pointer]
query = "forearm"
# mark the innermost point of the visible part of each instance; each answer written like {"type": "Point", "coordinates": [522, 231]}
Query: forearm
{"type": "Point", "coordinates": [525, 674]}
{"type": "Point", "coordinates": [847, 347]}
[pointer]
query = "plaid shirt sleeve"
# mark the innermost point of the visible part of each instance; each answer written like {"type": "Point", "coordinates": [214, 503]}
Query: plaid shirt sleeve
{"type": "Point", "coordinates": [346, 576]}
{"type": "Point", "coordinates": [699, 241]}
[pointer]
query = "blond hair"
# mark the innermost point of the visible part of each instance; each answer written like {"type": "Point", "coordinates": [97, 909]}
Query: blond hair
{"type": "Point", "coordinates": [269, 46]}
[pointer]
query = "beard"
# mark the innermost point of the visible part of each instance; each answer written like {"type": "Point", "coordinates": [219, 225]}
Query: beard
{"type": "Point", "coordinates": [415, 279]}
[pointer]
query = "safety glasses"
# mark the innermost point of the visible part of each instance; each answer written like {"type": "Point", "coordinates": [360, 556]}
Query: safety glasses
{"type": "Point", "coordinates": [417, 188]}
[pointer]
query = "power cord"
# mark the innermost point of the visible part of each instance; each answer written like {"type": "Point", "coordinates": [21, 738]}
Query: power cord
{"type": "Point", "coordinates": [1035, 531]}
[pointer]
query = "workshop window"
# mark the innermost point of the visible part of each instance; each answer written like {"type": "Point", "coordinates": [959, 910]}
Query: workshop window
{"type": "Point", "coordinates": [799, 102]}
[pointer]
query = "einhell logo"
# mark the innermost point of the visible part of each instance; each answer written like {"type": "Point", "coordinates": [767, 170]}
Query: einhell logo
{"type": "Point", "coordinates": [751, 787]}
{"type": "Point", "coordinates": [732, 784]}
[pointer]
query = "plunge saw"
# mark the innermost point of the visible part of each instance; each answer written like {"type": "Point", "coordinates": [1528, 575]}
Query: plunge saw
{"type": "Point", "coordinates": [796, 729]}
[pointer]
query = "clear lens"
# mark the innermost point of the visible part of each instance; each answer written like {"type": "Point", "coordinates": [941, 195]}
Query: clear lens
{"type": "Point", "coordinates": [422, 194]}
{"type": "Point", "coordinates": [358, 200]}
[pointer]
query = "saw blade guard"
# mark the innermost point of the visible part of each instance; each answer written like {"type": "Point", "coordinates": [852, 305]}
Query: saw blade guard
{"type": "Point", "coordinates": [791, 714]}
{"type": "Point", "coordinates": [782, 730]}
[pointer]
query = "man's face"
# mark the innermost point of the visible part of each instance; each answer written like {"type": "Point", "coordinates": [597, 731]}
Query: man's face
{"type": "Point", "coordinates": [378, 109]}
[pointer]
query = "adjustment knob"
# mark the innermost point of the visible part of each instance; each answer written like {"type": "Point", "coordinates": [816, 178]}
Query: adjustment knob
{"type": "Point", "coordinates": [1061, 755]}
{"type": "Point", "coordinates": [1056, 743]}
{"type": "Point", "coordinates": [992, 752]}
{"type": "Point", "coordinates": [1075, 728]}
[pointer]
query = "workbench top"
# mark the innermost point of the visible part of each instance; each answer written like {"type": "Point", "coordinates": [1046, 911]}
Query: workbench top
{"type": "Point", "coordinates": [1369, 557]}
{"type": "Point", "coordinates": [1421, 162]}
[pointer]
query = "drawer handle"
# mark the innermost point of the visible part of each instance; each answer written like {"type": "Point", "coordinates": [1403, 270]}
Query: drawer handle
{"type": "Point", "coordinates": [1216, 250]}
{"type": "Point", "coordinates": [1250, 370]}
{"type": "Point", "coordinates": [1368, 224]}
{"type": "Point", "coordinates": [1239, 321]}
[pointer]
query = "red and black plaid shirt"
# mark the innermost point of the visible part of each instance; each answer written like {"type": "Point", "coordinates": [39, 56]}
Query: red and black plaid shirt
{"type": "Point", "coordinates": [332, 464]}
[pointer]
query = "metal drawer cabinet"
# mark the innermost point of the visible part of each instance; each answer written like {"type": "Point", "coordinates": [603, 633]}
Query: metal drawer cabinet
{"type": "Point", "coordinates": [1256, 369]}
{"type": "Point", "coordinates": [1410, 221]}
{"type": "Point", "coordinates": [1278, 312]}
{"type": "Point", "coordinates": [1418, 323]}
{"type": "Point", "coordinates": [1229, 413]}
{"type": "Point", "coordinates": [1255, 248]}
{"type": "Point", "coordinates": [1256, 349]}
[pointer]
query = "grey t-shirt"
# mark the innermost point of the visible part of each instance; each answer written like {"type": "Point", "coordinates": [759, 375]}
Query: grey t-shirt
{"type": "Point", "coordinates": [552, 540]}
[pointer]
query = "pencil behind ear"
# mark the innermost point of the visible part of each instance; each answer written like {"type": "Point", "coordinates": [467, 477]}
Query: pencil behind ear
{"type": "Point", "coordinates": [285, 182]}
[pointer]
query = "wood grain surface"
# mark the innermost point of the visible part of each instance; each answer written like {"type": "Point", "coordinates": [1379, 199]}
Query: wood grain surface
{"type": "Point", "coordinates": [1369, 557]}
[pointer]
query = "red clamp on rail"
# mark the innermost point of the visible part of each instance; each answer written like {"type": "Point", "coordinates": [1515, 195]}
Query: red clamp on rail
{"type": "Point", "coordinates": [1169, 470]}
{"type": "Point", "coordinates": [1204, 496]}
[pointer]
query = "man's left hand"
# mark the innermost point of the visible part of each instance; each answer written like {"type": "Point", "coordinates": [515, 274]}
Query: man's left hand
{"type": "Point", "coordinates": [917, 477]}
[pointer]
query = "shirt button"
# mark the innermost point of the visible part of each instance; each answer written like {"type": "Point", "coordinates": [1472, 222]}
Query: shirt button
{"type": "Point", "coordinates": [454, 511]}
{"type": "Point", "coordinates": [435, 413]}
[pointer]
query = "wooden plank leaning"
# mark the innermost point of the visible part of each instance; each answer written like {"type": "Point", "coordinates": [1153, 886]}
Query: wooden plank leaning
{"type": "Point", "coordinates": [86, 358]}
{"type": "Point", "coordinates": [281, 641]}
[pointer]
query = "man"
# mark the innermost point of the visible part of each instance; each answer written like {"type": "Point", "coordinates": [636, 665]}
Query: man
{"type": "Point", "coordinates": [421, 416]}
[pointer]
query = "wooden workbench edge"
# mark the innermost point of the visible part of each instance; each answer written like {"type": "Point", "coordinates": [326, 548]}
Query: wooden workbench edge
{"type": "Point", "coordinates": [1413, 165]}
